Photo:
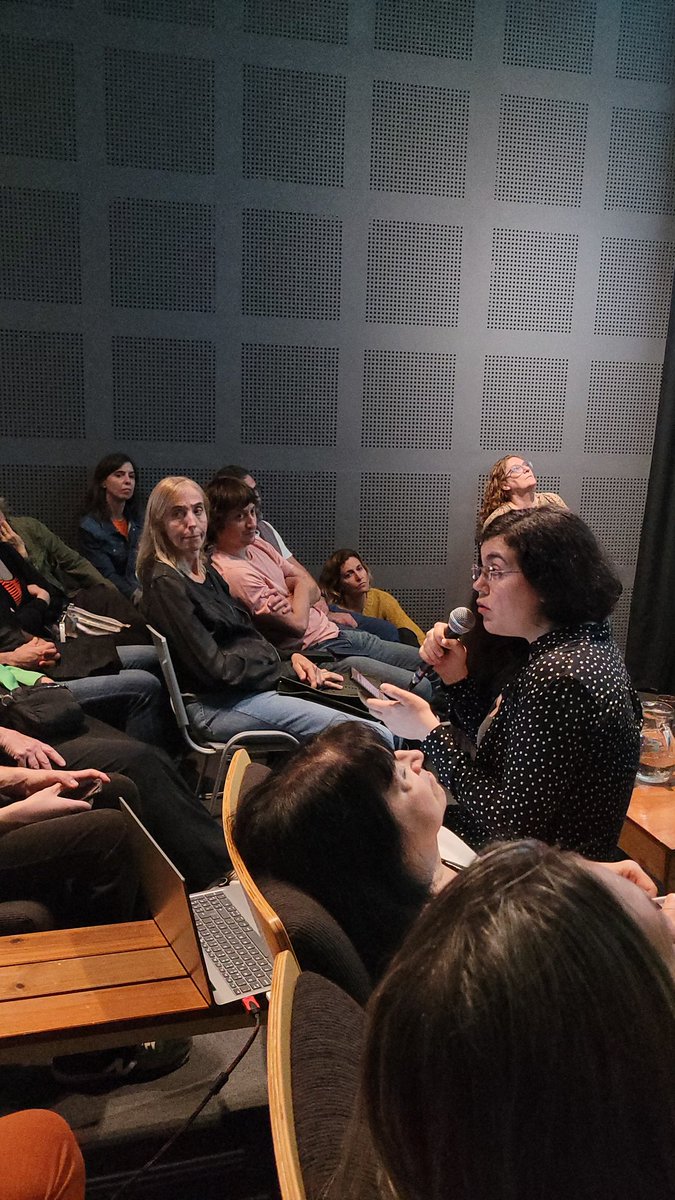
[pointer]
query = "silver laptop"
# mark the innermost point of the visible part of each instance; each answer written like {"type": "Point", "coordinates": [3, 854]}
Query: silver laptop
{"type": "Point", "coordinates": [213, 933]}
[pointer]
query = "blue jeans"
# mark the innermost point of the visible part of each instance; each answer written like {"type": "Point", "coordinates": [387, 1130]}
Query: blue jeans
{"type": "Point", "coordinates": [134, 701]}
{"type": "Point", "coordinates": [357, 641]}
{"type": "Point", "coordinates": [218, 716]}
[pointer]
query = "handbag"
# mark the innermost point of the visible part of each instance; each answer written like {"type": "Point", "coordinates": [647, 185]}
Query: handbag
{"type": "Point", "coordinates": [46, 711]}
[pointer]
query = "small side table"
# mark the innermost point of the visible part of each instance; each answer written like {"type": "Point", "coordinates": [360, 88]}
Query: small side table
{"type": "Point", "coordinates": [648, 833]}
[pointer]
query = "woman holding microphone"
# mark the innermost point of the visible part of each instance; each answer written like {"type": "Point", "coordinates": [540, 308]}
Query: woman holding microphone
{"type": "Point", "coordinates": [556, 756]}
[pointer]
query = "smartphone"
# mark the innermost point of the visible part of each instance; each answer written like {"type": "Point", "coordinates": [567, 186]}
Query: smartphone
{"type": "Point", "coordinates": [367, 684]}
{"type": "Point", "coordinates": [85, 790]}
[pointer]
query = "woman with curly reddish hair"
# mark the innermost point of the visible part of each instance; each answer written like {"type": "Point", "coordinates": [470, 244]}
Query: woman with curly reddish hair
{"type": "Point", "coordinates": [512, 484]}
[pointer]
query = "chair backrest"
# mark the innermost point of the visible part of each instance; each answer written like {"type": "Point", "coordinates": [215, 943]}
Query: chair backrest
{"type": "Point", "coordinates": [240, 769]}
{"type": "Point", "coordinates": [175, 696]}
{"type": "Point", "coordinates": [314, 1049]}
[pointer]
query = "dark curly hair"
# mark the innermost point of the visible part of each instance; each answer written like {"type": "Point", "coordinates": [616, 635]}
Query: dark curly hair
{"type": "Point", "coordinates": [561, 559]}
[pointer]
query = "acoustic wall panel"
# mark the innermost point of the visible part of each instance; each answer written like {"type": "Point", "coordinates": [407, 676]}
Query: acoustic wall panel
{"type": "Point", "coordinates": [301, 20]}
{"type": "Point", "coordinates": [532, 280]}
{"type": "Point", "coordinates": [646, 49]}
{"type": "Point", "coordinates": [180, 12]}
{"type": "Point", "coordinates": [405, 518]}
{"type": "Point", "coordinates": [289, 395]}
{"type": "Point", "coordinates": [55, 494]}
{"type": "Point", "coordinates": [614, 506]}
{"type": "Point", "coordinates": [623, 402]}
{"type": "Point", "coordinates": [159, 111]}
{"type": "Point", "coordinates": [424, 605]}
{"type": "Point", "coordinates": [413, 273]}
{"type": "Point", "coordinates": [164, 389]}
{"type": "Point", "coordinates": [37, 98]}
{"type": "Point", "coordinates": [419, 139]}
{"type": "Point", "coordinates": [293, 125]}
{"type": "Point", "coordinates": [441, 28]}
{"type": "Point", "coordinates": [540, 150]}
{"type": "Point", "coordinates": [40, 244]}
{"type": "Point", "coordinates": [634, 287]}
{"type": "Point", "coordinates": [41, 384]}
{"type": "Point", "coordinates": [407, 400]}
{"type": "Point", "coordinates": [641, 169]}
{"type": "Point", "coordinates": [162, 255]}
{"type": "Point", "coordinates": [302, 505]}
{"type": "Point", "coordinates": [292, 265]}
{"type": "Point", "coordinates": [523, 402]}
{"type": "Point", "coordinates": [620, 618]}
{"type": "Point", "coordinates": [556, 35]}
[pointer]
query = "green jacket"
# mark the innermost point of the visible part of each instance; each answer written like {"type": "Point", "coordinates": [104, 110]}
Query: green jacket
{"type": "Point", "coordinates": [61, 566]}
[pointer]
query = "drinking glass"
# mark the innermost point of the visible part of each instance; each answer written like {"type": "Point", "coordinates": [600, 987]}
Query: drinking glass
{"type": "Point", "coordinates": [657, 743]}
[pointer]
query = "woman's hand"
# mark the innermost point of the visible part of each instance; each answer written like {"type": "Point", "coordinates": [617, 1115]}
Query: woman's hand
{"type": "Point", "coordinates": [33, 654]}
{"type": "Point", "coordinates": [29, 751]}
{"type": "Point", "coordinates": [40, 806]}
{"type": "Point", "coordinates": [628, 869]}
{"type": "Point", "coordinates": [38, 592]}
{"type": "Point", "coordinates": [316, 677]}
{"type": "Point", "coordinates": [446, 655]}
{"type": "Point", "coordinates": [21, 782]}
{"type": "Point", "coordinates": [11, 537]}
{"type": "Point", "coordinates": [406, 714]}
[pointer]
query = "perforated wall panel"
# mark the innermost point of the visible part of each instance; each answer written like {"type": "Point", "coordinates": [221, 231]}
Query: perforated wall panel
{"type": "Point", "coordinates": [646, 41]}
{"type": "Point", "coordinates": [40, 245]}
{"type": "Point", "coordinates": [37, 98]}
{"type": "Point", "coordinates": [540, 150]}
{"type": "Point", "coordinates": [614, 508]}
{"type": "Point", "coordinates": [302, 20]}
{"type": "Point", "coordinates": [523, 402]}
{"type": "Point", "coordinates": [407, 400]}
{"type": "Point", "coordinates": [634, 287]}
{"type": "Point", "coordinates": [182, 12]}
{"type": "Point", "coordinates": [162, 255]}
{"type": "Point", "coordinates": [41, 385]}
{"type": "Point", "coordinates": [442, 28]}
{"type": "Point", "coordinates": [620, 618]}
{"type": "Point", "coordinates": [623, 402]}
{"type": "Point", "coordinates": [159, 111]}
{"type": "Point", "coordinates": [641, 170]}
{"type": "Point", "coordinates": [48, 3]}
{"type": "Point", "coordinates": [532, 280]}
{"type": "Point", "coordinates": [405, 518]}
{"type": "Point", "coordinates": [301, 505]}
{"type": "Point", "coordinates": [164, 389]}
{"type": "Point", "coordinates": [52, 494]}
{"type": "Point", "coordinates": [413, 273]}
{"type": "Point", "coordinates": [419, 139]}
{"type": "Point", "coordinates": [289, 395]}
{"type": "Point", "coordinates": [294, 125]}
{"type": "Point", "coordinates": [424, 605]}
{"type": "Point", "coordinates": [554, 34]}
{"type": "Point", "coordinates": [149, 476]}
{"type": "Point", "coordinates": [292, 265]}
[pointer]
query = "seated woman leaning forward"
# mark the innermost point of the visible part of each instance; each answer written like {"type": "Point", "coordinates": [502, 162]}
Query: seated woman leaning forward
{"type": "Point", "coordinates": [556, 758]}
{"type": "Point", "coordinates": [346, 580]}
{"type": "Point", "coordinates": [512, 484]}
{"type": "Point", "coordinates": [355, 826]}
{"type": "Point", "coordinates": [217, 652]}
{"type": "Point", "coordinates": [522, 1043]}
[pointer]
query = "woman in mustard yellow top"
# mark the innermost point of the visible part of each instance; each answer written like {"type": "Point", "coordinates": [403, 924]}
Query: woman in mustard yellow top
{"type": "Point", "coordinates": [346, 580]}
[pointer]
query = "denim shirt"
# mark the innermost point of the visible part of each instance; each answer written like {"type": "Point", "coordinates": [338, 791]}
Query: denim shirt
{"type": "Point", "coordinates": [111, 553]}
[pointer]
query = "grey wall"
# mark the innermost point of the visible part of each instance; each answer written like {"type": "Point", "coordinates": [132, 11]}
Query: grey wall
{"type": "Point", "coordinates": [363, 246]}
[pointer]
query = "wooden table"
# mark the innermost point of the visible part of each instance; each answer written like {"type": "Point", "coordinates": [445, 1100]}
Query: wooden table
{"type": "Point", "coordinates": [648, 833]}
{"type": "Point", "coordinates": [72, 990]}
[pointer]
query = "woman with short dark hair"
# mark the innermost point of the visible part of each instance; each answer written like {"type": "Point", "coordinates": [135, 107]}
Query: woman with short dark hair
{"type": "Point", "coordinates": [111, 525]}
{"type": "Point", "coordinates": [522, 1044]}
{"type": "Point", "coordinates": [354, 825]}
{"type": "Point", "coordinates": [556, 758]}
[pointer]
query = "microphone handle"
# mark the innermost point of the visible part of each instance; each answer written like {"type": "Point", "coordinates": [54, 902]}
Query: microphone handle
{"type": "Point", "coordinates": [422, 672]}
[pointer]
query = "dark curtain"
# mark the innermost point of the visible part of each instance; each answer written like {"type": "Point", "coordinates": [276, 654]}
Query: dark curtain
{"type": "Point", "coordinates": [650, 649]}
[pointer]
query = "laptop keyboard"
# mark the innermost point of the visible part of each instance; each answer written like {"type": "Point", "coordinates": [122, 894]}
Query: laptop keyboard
{"type": "Point", "coordinates": [227, 938]}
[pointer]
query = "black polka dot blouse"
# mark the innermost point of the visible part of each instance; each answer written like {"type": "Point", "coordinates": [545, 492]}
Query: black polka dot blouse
{"type": "Point", "coordinates": [558, 761]}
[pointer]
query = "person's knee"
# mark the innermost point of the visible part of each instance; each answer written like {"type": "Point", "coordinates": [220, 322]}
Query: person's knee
{"type": "Point", "coordinates": [41, 1159]}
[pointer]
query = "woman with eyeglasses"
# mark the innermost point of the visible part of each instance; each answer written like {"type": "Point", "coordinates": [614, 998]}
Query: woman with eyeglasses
{"type": "Point", "coordinates": [556, 756]}
{"type": "Point", "coordinates": [512, 484]}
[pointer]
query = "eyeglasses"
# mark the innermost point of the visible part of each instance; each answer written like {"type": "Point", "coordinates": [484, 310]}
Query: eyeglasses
{"type": "Point", "coordinates": [515, 471]}
{"type": "Point", "coordinates": [492, 574]}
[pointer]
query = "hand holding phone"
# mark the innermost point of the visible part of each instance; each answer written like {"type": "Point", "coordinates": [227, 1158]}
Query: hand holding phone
{"type": "Point", "coordinates": [367, 684]}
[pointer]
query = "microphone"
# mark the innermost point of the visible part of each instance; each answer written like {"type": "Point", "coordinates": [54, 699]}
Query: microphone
{"type": "Point", "coordinates": [460, 621]}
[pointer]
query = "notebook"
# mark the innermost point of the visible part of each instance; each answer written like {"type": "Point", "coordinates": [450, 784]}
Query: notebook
{"type": "Point", "coordinates": [213, 933]}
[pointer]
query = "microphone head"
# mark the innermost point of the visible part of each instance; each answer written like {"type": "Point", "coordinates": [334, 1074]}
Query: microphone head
{"type": "Point", "coordinates": [461, 620]}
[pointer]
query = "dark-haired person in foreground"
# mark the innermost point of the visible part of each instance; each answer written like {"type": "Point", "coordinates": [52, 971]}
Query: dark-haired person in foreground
{"type": "Point", "coordinates": [557, 756]}
{"type": "Point", "coordinates": [522, 1044]}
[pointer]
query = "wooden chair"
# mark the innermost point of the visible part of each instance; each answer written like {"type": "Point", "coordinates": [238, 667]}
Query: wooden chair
{"type": "Point", "coordinates": [314, 1049]}
{"type": "Point", "coordinates": [262, 740]}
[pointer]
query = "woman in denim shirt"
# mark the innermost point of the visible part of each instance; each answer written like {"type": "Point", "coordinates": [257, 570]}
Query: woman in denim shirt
{"type": "Point", "coordinates": [111, 526]}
